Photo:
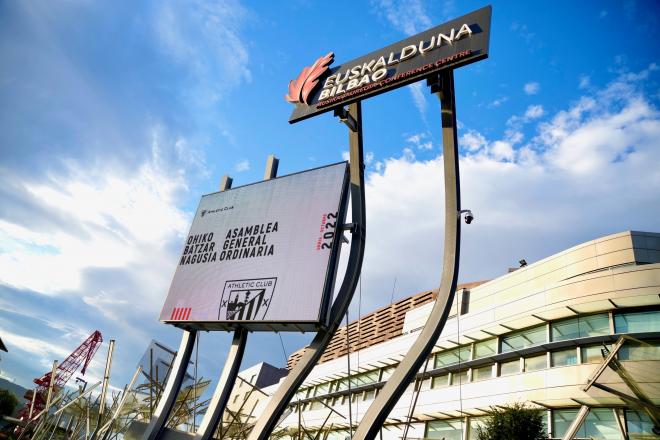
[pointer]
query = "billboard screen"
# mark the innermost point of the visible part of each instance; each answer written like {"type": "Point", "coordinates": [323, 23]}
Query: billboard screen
{"type": "Point", "coordinates": [262, 256]}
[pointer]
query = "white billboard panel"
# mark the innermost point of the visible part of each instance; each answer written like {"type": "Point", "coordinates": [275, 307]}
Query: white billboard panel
{"type": "Point", "coordinates": [262, 256]}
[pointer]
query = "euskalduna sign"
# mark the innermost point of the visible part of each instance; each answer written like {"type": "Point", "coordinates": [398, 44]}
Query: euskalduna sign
{"type": "Point", "coordinates": [262, 256]}
{"type": "Point", "coordinates": [319, 88]}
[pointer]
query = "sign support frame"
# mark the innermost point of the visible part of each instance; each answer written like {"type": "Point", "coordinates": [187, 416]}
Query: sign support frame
{"type": "Point", "coordinates": [229, 372]}
{"type": "Point", "coordinates": [227, 378]}
{"type": "Point", "coordinates": [175, 378]}
{"type": "Point", "coordinates": [269, 419]}
{"type": "Point", "coordinates": [441, 84]}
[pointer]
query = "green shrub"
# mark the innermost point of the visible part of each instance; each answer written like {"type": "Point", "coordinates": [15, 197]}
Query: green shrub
{"type": "Point", "coordinates": [513, 422]}
{"type": "Point", "coordinates": [8, 402]}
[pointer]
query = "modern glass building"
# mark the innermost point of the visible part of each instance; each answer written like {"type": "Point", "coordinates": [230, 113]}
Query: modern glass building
{"type": "Point", "coordinates": [538, 335]}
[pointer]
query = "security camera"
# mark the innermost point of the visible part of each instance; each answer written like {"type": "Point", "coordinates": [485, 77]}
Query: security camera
{"type": "Point", "coordinates": [469, 217]}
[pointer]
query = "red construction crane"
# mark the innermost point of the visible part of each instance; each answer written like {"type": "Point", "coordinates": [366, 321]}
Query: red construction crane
{"type": "Point", "coordinates": [80, 356]}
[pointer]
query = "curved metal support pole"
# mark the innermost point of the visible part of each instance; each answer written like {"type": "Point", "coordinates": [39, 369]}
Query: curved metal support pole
{"type": "Point", "coordinates": [223, 389]}
{"type": "Point", "coordinates": [404, 374]}
{"type": "Point", "coordinates": [278, 403]}
{"type": "Point", "coordinates": [172, 387]}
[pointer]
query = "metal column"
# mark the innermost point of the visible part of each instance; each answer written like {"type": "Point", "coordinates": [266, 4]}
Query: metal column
{"type": "Point", "coordinates": [172, 387]}
{"type": "Point", "coordinates": [278, 403]}
{"type": "Point", "coordinates": [579, 419]}
{"type": "Point", "coordinates": [405, 373]}
{"type": "Point", "coordinates": [232, 364]}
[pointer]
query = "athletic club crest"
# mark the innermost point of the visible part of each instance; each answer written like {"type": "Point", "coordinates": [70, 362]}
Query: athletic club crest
{"type": "Point", "coordinates": [246, 300]}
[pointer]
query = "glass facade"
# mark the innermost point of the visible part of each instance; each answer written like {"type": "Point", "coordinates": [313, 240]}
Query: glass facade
{"type": "Point", "coordinates": [640, 352]}
{"type": "Point", "coordinates": [451, 357]}
{"type": "Point", "coordinates": [600, 424]}
{"type": "Point", "coordinates": [485, 348]}
{"type": "Point", "coordinates": [441, 381]}
{"type": "Point", "coordinates": [524, 339]}
{"type": "Point", "coordinates": [564, 357]}
{"type": "Point", "coordinates": [482, 373]}
{"type": "Point", "coordinates": [511, 367]}
{"type": "Point", "coordinates": [637, 322]}
{"type": "Point", "coordinates": [460, 377]}
{"type": "Point", "coordinates": [639, 425]}
{"type": "Point", "coordinates": [581, 327]}
{"type": "Point", "coordinates": [447, 430]}
{"type": "Point", "coordinates": [592, 354]}
{"type": "Point", "coordinates": [534, 363]}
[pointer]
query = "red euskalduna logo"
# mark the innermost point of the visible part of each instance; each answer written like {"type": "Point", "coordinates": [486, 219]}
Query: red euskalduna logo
{"type": "Point", "coordinates": [302, 87]}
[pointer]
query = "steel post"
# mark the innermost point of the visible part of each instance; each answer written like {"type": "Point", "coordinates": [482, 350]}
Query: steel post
{"type": "Point", "coordinates": [278, 403]}
{"type": "Point", "coordinates": [405, 373]}
{"type": "Point", "coordinates": [224, 387]}
{"type": "Point", "coordinates": [577, 422]}
{"type": "Point", "coordinates": [233, 362]}
{"type": "Point", "coordinates": [172, 387]}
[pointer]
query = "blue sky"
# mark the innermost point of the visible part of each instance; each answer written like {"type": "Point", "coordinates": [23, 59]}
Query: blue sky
{"type": "Point", "coordinates": [117, 116]}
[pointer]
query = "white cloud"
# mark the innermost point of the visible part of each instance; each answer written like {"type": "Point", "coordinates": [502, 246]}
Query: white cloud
{"type": "Point", "coordinates": [417, 91]}
{"type": "Point", "coordinates": [188, 32]}
{"type": "Point", "coordinates": [532, 88]}
{"type": "Point", "coordinates": [534, 112]}
{"type": "Point", "coordinates": [472, 140]}
{"type": "Point", "coordinates": [585, 81]}
{"type": "Point", "coordinates": [116, 219]}
{"type": "Point", "coordinates": [409, 17]}
{"type": "Point", "coordinates": [498, 102]}
{"type": "Point", "coordinates": [243, 165]}
{"type": "Point", "coordinates": [589, 167]}
{"type": "Point", "coordinates": [421, 141]}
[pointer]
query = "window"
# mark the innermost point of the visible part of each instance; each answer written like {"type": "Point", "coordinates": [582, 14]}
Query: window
{"type": "Point", "coordinates": [387, 373]}
{"type": "Point", "coordinates": [599, 424]}
{"type": "Point", "coordinates": [356, 396]}
{"type": "Point", "coordinates": [511, 367]}
{"type": "Point", "coordinates": [563, 357]}
{"type": "Point", "coordinates": [459, 378]}
{"type": "Point", "coordinates": [337, 435]}
{"type": "Point", "coordinates": [485, 348]}
{"type": "Point", "coordinates": [342, 384]}
{"type": "Point", "coordinates": [444, 429]}
{"type": "Point", "coordinates": [475, 424]}
{"type": "Point", "coordinates": [441, 381]}
{"type": "Point", "coordinates": [451, 357]}
{"type": "Point", "coordinates": [592, 354]}
{"type": "Point", "coordinates": [639, 425]}
{"type": "Point", "coordinates": [640, 352]}
{"type": "Point", "coordinates": [365, 378]}
{"type": "Point", "coordinates": [561, 421]}
{"type": "Point", "coordinates": [322, 389]}
{"type": "Point", "coordinates": [370, 394]}
{"type": "Point", "coordinates": [536, 363]}
{"type": "Point", "coordinates": [252, 379]}
{"type": "Point", "coordinates": [482, 373]}
{"type": "Point", "coordinates": [581, 327]}
{"type": "Point", "coordinates": [317, 404]}
{"type": "Point", "coordinates": [637, 322]}
{"type": "Point", "coordinates": [524, 339]}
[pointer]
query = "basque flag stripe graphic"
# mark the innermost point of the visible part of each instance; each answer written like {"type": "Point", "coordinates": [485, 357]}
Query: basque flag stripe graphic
{"type": "Point", "coordinates": [181, 313]}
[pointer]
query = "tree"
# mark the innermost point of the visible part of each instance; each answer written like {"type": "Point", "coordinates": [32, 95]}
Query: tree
{"type": "Point", "coordinates": [8, 402]}
{"type": "Point", "coordinates": [513, 422]}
